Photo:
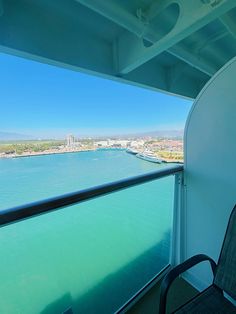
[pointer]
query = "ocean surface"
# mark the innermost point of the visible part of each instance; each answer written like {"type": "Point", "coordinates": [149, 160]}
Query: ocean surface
{"type": "Point", "coordinates": [93, 256]}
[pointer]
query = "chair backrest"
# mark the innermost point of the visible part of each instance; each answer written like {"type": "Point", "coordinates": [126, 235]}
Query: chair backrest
{"type": "Point", "coordinates": [225, 277]}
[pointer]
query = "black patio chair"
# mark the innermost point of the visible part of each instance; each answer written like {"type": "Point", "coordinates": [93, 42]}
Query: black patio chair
{"type": "Point", "coordinates": [212, 299]}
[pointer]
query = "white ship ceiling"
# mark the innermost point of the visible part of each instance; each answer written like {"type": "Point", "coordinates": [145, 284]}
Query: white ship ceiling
{"type": "Point", "coordinates": [173, 46]}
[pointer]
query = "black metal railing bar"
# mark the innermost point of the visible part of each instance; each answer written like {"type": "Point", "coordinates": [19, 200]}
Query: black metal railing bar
{"type": "Point", "coordinates": [18, 213]}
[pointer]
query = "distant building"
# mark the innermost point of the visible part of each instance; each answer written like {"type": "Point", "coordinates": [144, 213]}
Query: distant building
{"type": "Point", "coordinates": [101, 143]}
{"type": "Point", "coordinates": [136, 143]}
{"type": "Point", "coordinates": [118, 143]}
{"type": "Point", "coordinates": [70, 140]}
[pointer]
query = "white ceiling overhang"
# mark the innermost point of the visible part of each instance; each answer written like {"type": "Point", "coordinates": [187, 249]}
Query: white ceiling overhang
{"type": "Point", "coordinates": [168, 45]}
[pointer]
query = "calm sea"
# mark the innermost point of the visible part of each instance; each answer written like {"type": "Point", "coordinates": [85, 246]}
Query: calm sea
{"type": "Point", "coordinates": [91, 257]}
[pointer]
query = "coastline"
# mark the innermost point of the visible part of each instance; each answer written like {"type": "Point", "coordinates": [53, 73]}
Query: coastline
{"type": "Point", "coordinates": [46, 152]}
{"type": "Point", "coordinates": [67, 151]}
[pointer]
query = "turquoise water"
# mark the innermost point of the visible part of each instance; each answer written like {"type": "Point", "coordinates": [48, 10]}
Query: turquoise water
{"type": "Point", "coordinates": [93, 256]}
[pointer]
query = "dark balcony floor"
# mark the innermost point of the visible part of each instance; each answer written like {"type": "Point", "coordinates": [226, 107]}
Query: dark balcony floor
{"type": "Point", "coordinates": [180, 292]}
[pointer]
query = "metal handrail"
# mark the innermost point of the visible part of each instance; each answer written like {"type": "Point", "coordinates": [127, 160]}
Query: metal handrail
{"type": "Point", "coordinates": [15, 214]}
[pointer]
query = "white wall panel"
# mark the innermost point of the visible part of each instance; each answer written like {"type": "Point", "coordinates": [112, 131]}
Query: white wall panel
{"type": "Point", "coordinates": [210, 168]}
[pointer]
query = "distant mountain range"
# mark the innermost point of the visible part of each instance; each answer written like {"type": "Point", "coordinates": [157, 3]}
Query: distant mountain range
{"type": "Point", "coordinates": [162, 133]}
{"type": "Point", "coordinates": [8, 136]}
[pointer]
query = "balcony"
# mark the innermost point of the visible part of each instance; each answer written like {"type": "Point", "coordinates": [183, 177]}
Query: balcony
{"type": "Point", "coordinates": [72, 254]}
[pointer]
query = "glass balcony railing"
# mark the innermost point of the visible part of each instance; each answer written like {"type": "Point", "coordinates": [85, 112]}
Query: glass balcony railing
{"type": "Point", "coordinates": [92, 255]}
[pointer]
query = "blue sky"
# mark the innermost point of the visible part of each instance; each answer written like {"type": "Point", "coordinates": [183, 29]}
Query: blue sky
{"type": "Point", "coordinates": [46, 101]}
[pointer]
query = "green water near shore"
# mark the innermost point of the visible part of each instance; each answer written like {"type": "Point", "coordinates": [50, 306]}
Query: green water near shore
{"type": "Point", "coordinates": [93, 256]}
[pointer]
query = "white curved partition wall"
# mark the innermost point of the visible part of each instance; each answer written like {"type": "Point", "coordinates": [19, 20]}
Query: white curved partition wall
{"type": "Point", "coordinates": [210, 168]}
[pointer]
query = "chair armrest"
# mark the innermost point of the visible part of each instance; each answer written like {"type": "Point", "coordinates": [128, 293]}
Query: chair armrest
{"type": "Point", "coordinates": [176, 271]}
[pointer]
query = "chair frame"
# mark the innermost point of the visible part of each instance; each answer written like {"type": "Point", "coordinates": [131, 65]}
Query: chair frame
{"type": "Point", "coordinates": [181, 268]}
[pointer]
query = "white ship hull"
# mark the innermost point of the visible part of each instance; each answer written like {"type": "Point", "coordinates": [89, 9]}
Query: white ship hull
{"type": "Point", "coordinates": [149, 158]}
{"type": "Point", "coordinates": [131, 151]}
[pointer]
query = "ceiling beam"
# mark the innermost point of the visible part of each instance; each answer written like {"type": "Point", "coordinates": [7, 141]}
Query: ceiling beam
{"type": "Point", "coordinates": [192, 59]}
{"type": "Point", "coordinates": [31, 31]}
{"type": "Point", "coordinates": [194, 14]}
{"type": "Point", "coordinates": [173, 74]}
{"type": "Point", "coordinates": [165, 79]}
{"type": "Point", "coordinates": [116, 13]}
{"type": "Point", "coordinates": [141, 28]}
{"type": "Point", "coordinates": [229, 24]}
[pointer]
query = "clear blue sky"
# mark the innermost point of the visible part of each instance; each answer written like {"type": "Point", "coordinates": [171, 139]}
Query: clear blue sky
{"type": "Point", "coordinates": [46, 101]}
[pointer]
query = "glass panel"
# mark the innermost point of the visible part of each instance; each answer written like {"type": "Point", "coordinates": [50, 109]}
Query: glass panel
{"type": "Point", "coordinates": [30, 179]}
{"type": "Point", "coordinates": [92, 256]}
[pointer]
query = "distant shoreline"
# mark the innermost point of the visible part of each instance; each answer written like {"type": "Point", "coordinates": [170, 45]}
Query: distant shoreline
{"type": "Point", "coordinates": [52, 152]}
{"type": "Point", "coordinates": [67, 151]}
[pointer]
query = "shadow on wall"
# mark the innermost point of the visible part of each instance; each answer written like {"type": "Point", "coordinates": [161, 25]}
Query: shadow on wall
{"type": "Point", "coordinates": [114, 290]}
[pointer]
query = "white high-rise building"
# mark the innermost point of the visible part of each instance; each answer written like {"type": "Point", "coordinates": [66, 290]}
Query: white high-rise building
{"type": "Point", "coordinates": [70, 140]}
